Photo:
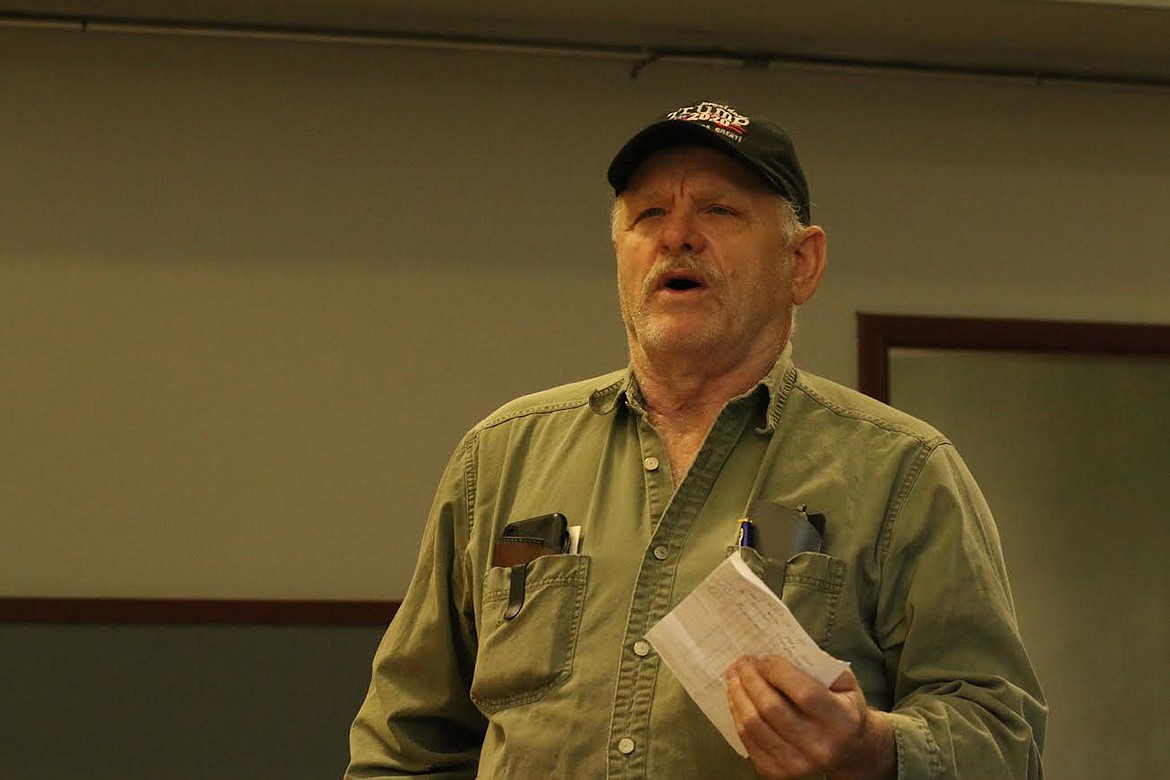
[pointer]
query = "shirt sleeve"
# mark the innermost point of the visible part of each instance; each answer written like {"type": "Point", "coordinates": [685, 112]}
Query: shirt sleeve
{"type": "Point", "coordinates": [417, 718]}
{"type": "Point", "coordinates": [967, 701]}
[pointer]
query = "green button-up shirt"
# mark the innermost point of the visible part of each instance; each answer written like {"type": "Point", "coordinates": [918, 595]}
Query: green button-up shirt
{"type": "Point", "coordinates": [909, 587]}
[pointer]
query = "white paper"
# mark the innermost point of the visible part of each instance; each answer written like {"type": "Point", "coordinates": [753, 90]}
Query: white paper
{"type": "Point", "coordinates": [574, 539]}
{"type": "Point", "coordinates": [732, 614]}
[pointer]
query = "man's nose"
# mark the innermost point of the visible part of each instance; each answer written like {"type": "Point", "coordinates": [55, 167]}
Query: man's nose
{"type": "Point", "coordinates": [681, 234]}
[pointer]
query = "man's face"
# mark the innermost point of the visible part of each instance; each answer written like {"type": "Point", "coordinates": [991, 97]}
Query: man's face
{"type": "Point", "coordinates": [703, 263]}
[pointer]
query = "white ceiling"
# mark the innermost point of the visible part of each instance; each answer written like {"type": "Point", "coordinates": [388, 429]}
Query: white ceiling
{"type": "Point", "coordinates": [1111, 40]}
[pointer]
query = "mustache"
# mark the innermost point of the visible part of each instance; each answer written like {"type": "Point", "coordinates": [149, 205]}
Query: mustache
{"type": "Point", "coordinates": [710, 275]}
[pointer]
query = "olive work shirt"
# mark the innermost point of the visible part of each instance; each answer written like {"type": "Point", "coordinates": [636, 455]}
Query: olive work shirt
{"type": "Point", "coordinates": [909, 587]}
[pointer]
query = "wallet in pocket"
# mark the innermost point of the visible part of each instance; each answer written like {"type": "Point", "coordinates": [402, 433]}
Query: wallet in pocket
{"type": "Point", "coordinates": [523, 542]}
{"type": "Point", "coordinates": [527, 540]}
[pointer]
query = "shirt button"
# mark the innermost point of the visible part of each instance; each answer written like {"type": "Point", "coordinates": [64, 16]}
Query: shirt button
{"type": "Point", "coordinates": [651, 463]}
{"type": "Point", "coordinates": [625, 746]}
{"type": "Point", "coordinates": [661, 553]}
{"type": "Point", "coordinates": [641, 648]}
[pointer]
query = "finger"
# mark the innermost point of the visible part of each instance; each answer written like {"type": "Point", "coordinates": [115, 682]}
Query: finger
{"type": "Point", "coordinates": [744, 713]}
{"type": "Point", "coordinates": [833, 719]}
{"type": "Point", "coordinates": [805, 693]}
{"type": "Point", "coordinates": [773, 706]}
{"type": "Point", "coordinates": [846, 681]}
{"type": "Point", "coordinates": [771, 754]}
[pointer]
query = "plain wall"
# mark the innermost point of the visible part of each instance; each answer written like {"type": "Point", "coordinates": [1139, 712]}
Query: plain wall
{"type": "Point", "coordinates": [179, 702]}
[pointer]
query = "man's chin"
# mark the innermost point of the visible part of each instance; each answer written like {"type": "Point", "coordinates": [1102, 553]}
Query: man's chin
{"type": "Point", "coordinates": [675, 340]}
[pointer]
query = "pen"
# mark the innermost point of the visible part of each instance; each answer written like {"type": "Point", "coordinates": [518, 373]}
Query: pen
{"type": "Point", "coordinates": [747, 534]}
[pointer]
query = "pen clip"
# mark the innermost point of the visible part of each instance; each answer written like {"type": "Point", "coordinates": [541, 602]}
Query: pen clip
{"type": "Point", "coordinates": [516, 580]}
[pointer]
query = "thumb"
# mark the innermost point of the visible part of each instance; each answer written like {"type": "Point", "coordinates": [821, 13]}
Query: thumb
{"type": "Point", "coordinates": [845, 681]}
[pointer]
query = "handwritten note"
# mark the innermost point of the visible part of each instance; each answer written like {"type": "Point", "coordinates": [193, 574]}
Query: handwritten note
{"type": "Point", "coordinates": [731, 614]}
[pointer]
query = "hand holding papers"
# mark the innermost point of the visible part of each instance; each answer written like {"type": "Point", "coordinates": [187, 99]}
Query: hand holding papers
{"type": "Point", "coordinates": [731, 614]}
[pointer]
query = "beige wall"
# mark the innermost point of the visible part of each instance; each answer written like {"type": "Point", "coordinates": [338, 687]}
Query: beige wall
{"type": "Point", "coordinates": [252, 293]}
{"type": "Point", "coordinates": [1072, 452]}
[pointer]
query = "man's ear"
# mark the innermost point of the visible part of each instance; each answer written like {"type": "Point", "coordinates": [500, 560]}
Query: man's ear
{"type": "Point", "coordinates": [808, 263]}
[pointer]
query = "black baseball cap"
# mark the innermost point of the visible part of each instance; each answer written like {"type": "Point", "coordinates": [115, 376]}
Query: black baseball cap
{"type": "Point", "coordinates": [758, 143]}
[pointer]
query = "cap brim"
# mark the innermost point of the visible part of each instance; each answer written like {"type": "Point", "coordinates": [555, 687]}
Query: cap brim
{"type": "Point", "coordinates": [660, 135]}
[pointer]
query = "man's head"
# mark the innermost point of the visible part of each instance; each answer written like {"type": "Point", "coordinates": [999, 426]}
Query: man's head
{"type": "Point", "coordinates": [711, 236]}
{"type": "Point", "coordinates": [755, 142]}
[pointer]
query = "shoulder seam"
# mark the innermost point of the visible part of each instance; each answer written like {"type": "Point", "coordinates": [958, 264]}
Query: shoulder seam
{"type": "Point", "coordinates": [927, 441]}
{"type": "Point", "coordinates": [470, 459]}
{"type": "Point", "coordinates": [500, 419]}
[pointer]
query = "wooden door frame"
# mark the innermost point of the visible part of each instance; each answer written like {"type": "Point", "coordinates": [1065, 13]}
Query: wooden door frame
{"type": "Point", "coordinates": [877, 334]}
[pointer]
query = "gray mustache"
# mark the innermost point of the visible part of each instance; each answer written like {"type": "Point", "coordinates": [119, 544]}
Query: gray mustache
{"type": "Point", "coordinates": [709, 274]}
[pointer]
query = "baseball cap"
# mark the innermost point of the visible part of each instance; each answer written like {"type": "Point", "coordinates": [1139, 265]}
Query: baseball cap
{"type": "Point", "coordinates": [755, 141]}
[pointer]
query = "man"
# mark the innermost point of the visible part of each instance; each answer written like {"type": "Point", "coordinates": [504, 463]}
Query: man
{"type": "Point", "coordinates": [537, 666]}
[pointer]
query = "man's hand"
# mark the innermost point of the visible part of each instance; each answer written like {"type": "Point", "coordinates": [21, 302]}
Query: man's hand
{"type": "Point", "coordinates": [793, 727]}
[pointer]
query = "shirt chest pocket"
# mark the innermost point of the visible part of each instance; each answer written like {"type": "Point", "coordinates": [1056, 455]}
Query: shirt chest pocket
{"type": "Point", "coordinates": [523, 657]}
{"type": "Point", "coordinates": [812, 590]}
{"type": "Point", "coordinates": [809, 584]}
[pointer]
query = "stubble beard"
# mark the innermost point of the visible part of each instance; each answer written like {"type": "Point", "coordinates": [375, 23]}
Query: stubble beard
{"type": "Point", "coordinates": [651, 330]}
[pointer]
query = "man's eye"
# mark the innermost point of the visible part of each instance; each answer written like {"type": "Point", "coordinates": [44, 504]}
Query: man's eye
{"type": "Point", "coordinates": [722, 210]}
{"type": "Point", "coordinates": [653, 211]}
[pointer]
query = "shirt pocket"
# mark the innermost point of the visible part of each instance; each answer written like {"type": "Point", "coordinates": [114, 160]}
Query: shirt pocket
{"type": "Point", "coordinates": [812, 591]}
{"type": "Point", "coordinates": [522, 659]}
{"type": "Point", "coordinates": [809, 584]}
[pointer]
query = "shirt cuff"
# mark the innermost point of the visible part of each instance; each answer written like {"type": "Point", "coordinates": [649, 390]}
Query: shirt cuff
{"type": "Point", "coordinates": [918, 755]}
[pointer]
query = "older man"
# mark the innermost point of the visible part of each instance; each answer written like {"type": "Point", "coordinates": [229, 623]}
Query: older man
{"type": "Point", "coordinates": [515, 654]}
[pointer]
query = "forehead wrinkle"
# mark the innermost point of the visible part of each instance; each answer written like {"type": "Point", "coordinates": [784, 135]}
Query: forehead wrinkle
{"type": "Point", "coordinates": [695, 183]}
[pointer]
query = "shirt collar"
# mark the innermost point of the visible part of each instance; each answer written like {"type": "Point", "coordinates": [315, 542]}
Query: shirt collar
{"type": "Point", "coordinates": [776, 384]}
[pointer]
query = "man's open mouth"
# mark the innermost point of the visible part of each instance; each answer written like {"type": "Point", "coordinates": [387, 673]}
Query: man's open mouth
{"type": "Point", "coordinates": [681, 281]}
